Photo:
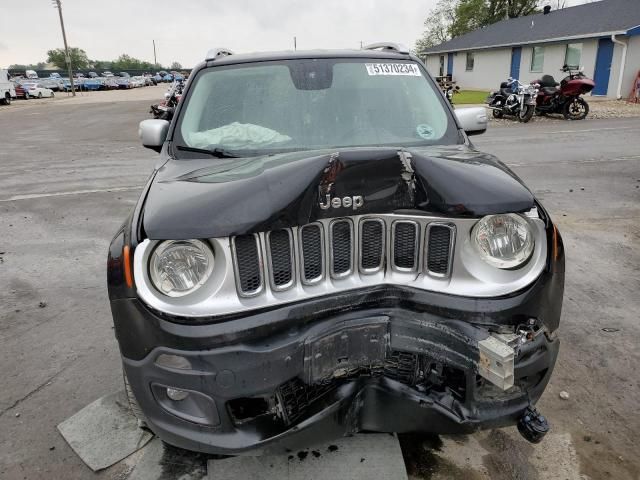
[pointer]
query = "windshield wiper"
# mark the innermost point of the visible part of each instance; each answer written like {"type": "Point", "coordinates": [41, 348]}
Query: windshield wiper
{"type": "Point", "coordinates": [214, 152]}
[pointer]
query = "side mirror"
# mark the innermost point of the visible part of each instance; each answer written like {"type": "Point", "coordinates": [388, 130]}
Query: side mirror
{"type": "Point", "coordinates": [473, 120]}
{"type": "Point", "coordinates": [153, 133]}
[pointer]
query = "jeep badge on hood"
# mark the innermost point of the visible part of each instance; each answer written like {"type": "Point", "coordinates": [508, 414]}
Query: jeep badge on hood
{"type": "Point", "coordinates": [355, 202]}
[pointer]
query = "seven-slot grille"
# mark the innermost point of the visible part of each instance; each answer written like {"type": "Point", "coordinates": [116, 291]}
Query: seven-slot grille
{"type": "Point", "coordinates": [337, 249]}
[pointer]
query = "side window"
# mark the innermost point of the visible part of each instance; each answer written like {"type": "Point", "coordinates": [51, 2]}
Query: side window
{"type": "Point", "coordinates": [441, 66]}
{"type": "Point", "coordinates": [537, 59]}
{"type": "Point", "coordinates": [470, 62]}
{"type": "Point", "coordinates": [573, 54]}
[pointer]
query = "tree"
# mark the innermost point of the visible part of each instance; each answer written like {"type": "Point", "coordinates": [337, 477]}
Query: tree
{"type": "Point", "coordinates": [127, 62]}
{"type": "Point", "coordinates": [33, 66]}
{"type": "Point", "coordinates": [501, 9]}
{"type": "Point", "coordinates": [79, 59]}
{"type": "Point", "coordinates": [176, 66]}
{"type": "Point", "coordinates": [452, 18]}
{"type": "Point", "coordinates": [437, 26]}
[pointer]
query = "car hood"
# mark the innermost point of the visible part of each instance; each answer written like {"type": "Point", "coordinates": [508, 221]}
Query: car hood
{"type": "Point", "coordinates": [205, 198]}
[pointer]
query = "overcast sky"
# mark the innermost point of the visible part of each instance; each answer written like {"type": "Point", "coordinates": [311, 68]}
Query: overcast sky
{"type": "Point", "coordinates": [184, 30]}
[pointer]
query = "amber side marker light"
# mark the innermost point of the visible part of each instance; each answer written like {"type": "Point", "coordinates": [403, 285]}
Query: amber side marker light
{"type": "Point", "coordinates": [555, 243]}
{"type": "Point", "coordinates": [128, 274]}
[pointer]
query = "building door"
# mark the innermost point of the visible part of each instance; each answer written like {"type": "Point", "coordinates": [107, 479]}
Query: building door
{"type": "Point", "coordinates": [603, 66]}
{"type": "Point", "coordinates": [450, 64]}
{"type": "Point", "coordinates": [516, 53]}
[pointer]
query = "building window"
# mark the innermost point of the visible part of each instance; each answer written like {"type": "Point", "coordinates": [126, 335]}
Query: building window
{"type": "Point", "coordinates": [441, 66]}
{"type": "Point", "coordinates": [572, 54]}
{"type": "Point", "coordinates": [470, 61]}
{"type": "Point", "coordinates": [537, 59]}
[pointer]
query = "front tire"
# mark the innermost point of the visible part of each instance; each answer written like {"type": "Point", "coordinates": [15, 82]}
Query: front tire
{"type": "Point", "coordinates": [7, 99]}
{"type": "Point", "coordinates": [133, 403]}
{"type": "Point", "coordinates": [525, 114]}
{"type": "Point", "coordinates": [39, 94]}
{"type": "Point", "coordinates": [497, 113]}
{"type": "Point", "coordinates": [576, 109]}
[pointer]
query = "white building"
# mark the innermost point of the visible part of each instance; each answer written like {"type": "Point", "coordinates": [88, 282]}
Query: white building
{"type": "Point", "coordinates": [603, 37]}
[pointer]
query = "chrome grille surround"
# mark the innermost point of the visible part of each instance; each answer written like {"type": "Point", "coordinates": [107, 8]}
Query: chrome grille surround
{"type": "Point", "coordinates": [405, 245]}
{"type": "Point", "coordinates": [364, 244]}
{"type": "Point", "coordinates": [239, 252]}
{"type": "Point", "coordinates": [311, 265]}
{"type": "Point", "coordinates": [468, 275]}
{"type": "Point", "coordinates": [339, 252]}
{"type": "Point", "coordinates": [428, 264]}
{"type": "Point", "coordinates": [276, 259]}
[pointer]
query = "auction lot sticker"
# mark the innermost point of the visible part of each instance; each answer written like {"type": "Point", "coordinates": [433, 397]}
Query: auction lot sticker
{"type": "Point", "coordinates": [393, 69]}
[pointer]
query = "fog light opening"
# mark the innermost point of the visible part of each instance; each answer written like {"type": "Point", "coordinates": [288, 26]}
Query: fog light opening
{"type": "Point", "coordinates": [176, 394]}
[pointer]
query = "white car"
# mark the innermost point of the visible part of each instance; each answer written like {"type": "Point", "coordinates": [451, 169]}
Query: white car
{"type": "Point", "coordinates": [37, 90]}
{"type": "Point", "coordinates": [137, 81]}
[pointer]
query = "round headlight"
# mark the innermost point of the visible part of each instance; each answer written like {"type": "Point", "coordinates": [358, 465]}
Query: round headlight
{"type": "Point", "coordinates": [179, 267]}
{"type": "Point", "coordinates": [503, 241]}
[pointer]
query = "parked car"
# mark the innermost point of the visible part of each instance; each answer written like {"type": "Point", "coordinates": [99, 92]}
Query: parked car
{"type": "Point", "coordinates": [124, 82]}
{"type": "Point", "coordinates": [20, 91]}
{"type": "Point", "coordinates": [55, 75]}
{"type": "Point", "coordinates": [37, 90]}
{"type": "Point", "coordinates": [92, 84]}
{"type": "Point", "coordinates": [108, 74]}
{"type": "Point", "coordinates": [31, 74]}
{"type": "Point", "coordinates": [93, 75]}
{"type": "Point", "coordinates": [335, 258]}
{"type": "Point", "coordinates": [54, 84]}
{"type": "Point", "coordinates": [110, 83]}
{"type": "Point", "coordinates": [157, 78]}
{"type": "Point", "coordinates": [7, 88]}
{"type": "Point", "coordinates": [167, 78]}
{"type": "Point", "coordinates": [78, 84]}
{"type": "Point", "coordinates": [137, 81]}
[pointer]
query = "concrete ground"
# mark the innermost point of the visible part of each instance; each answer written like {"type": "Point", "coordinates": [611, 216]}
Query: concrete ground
{"type": "Point", "coordinates": [72, 169]}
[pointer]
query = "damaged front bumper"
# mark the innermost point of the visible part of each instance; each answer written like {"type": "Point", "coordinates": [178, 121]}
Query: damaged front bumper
{"type": "Point", "coordinates": [386, 359]}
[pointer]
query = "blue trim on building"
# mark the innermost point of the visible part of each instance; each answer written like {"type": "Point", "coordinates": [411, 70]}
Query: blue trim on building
{"type": "Point", "coordinates": [604, 58]}
{"type": "Point", "coordinates": [516, 54]}
{"type": "Point", "coordinates": [634, 31]}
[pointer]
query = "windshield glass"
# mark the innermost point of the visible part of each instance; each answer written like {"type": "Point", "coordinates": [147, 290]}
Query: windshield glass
{"type": "Point", "coordinates": [282, 106]}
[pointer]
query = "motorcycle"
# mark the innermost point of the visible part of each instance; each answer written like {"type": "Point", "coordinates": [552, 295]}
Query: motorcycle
{"type": "Point", "coordinates": [514, 98]}
{"type": "Point", "coordinates": [566, 99]}
{"type": "Point", "coordinates": [449, 90]}
{"type": "Point", "coordinates": [164, 110]}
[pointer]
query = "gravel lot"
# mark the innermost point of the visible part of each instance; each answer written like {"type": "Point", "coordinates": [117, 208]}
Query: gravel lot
{"type": "Point", "coordinates": [72, 170]}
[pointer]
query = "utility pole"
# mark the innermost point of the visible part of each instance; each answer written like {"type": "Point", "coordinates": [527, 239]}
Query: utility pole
{"type": "Point", "coordinates": [295, 43]}
{"type": "Point", "coordinates": [58, 4]}
{"type": "Point", "coordinates": [155, 60]}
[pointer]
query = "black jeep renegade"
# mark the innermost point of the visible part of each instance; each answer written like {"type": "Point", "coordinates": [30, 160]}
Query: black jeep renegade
{"type": "Point", "coordinates": [321, 250]}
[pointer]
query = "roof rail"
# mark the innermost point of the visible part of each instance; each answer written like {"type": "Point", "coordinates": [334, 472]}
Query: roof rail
{"type": "Point", "coordinates": [215, 53]}
{"type": "Point", "coordinates": [395, 47]}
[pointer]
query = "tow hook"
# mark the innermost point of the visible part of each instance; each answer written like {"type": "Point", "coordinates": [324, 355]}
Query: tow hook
{"type": "Point", "coordinates": [532, 425]}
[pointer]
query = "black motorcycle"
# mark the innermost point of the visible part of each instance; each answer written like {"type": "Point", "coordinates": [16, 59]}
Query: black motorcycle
{"type": "Point", "coordinates": [449, 91]}
{"type": "Point", "coordinates": [514, 99]}
{"type": "Point", "coordinates": [164, 110]}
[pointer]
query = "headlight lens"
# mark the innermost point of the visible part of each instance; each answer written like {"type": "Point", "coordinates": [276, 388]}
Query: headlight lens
{"type": "Point", "coordinates": [179, 267]}
{"type": "Point", "coordinates": [503, 241]}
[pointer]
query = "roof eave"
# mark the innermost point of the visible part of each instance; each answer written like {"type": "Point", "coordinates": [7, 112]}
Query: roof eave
{"type": "Point", "coordinates": [531, 42]}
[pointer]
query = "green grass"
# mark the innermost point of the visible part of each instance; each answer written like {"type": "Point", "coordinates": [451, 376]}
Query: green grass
{"type": "Point", "coordinates": [469, 96]}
